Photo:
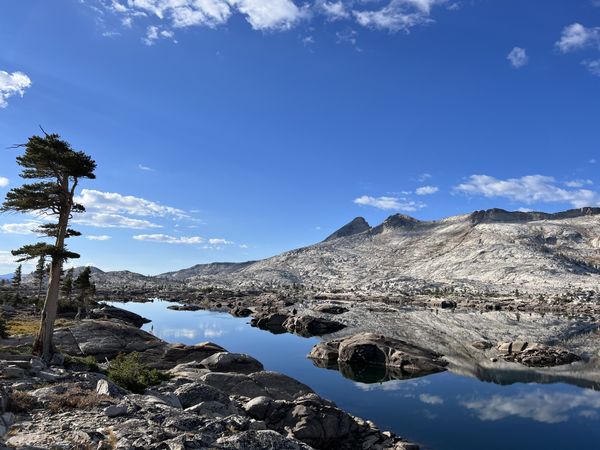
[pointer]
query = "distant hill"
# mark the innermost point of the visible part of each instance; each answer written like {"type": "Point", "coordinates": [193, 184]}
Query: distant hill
{"type": "Point", "coordinates": [7, 276]}
{"type": "Point", "coordinates": [493, 249]}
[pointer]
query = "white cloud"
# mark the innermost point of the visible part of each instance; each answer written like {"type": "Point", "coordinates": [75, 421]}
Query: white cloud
{"type": "Point", "coordinates": [424, 177]}
{"type": "Point", "coordinates": [592, 65]}
{"type": "Point", "coordinates": [334, 10]}
{"type": "Point", "coordinates": [12, 84]}
{"type": "Point", "coordinates": [219, 242]}
{"type": "Point", "coordinates": [146, 168]}
{"type": "Point", "coordinates": [114, 203]}
{"type": "Point", "coordinates": [102, 237]}
{"type": "Point", "coordinates": [165, 238]}
{"type": "Point", "coordinates": [579, 183]}
{"type": "Point", "coordinates": [398, 15]}
{"type": "Point", "coordinates": [20, 228]}
{"type": "Point", "coordinates": [577, 36]}
{"type": "Point", "coordinates": [427, 190]}
{"type": "Point", "coordinates": [431, 399]}
{"type": "Point", "coordinates": [153, 34]}
{"type": "Point", "coordinates": [389, 203]}
{"type": "Point", "coordinates": [537, 405]}
{"type": "Point", "coordinates": [267, 15]}
{"type": "Point", "coordinates": [528, 189]}
{"type": "Point", "coordinates": [102, 220]}
{"type": "Point", "coordinates": [518, 57]}
{"type": "Point", "coordinates": [4, 181]}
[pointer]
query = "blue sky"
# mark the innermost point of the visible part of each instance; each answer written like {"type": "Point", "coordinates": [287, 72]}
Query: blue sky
{"type": "Point", "coordinates": [228, 130]}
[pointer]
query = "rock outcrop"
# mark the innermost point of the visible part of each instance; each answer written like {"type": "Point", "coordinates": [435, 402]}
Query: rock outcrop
{"type": "Point", "coordinates": [369, 349]}
{"type": "Point", "coordinates": [104, 339]}
{"type": "Point", "coordinates": [532, 354]}
{"type": "Point", "coordinates": [308, 326]}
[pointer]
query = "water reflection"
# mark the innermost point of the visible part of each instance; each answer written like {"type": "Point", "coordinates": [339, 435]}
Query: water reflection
{"type": "Point", "coordinates": [537, 405]}
{"type": "Point", "coordinates": [367, 374]}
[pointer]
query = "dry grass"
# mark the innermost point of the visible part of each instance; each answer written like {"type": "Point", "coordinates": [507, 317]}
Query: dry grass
{"type": "Point", "coordinates": [76, 398]}
{"type": "Point", "coordinates": [22, 402]}
{"type": "Point", "coordinates": [29, 326]}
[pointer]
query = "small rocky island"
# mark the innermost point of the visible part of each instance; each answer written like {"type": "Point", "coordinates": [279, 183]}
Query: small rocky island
{"type": "Point", "coordinates": [116, 386]}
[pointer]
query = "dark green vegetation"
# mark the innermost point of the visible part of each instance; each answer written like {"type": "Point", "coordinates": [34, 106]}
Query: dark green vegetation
{"type": "Point", "coordinates": [128, 372]}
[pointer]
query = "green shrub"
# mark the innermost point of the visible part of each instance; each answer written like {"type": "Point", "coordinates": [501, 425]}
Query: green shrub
{"type": "Point", "coordinates": [130, 373]}
{"type": "Point", "coordinates": [88, 363]}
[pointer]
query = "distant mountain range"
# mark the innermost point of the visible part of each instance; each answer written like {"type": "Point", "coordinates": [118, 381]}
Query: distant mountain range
{"type": "Point", "coordinates": [7, 276]}
{"type": "Point", "coordinates": [493, 250]}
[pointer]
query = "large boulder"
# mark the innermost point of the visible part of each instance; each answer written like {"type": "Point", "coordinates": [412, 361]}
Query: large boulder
{"type": "Point", "coordinates": [270, 384]}
{"type": "Point", "coordinates": [112, 312]}
{"type": "Point", "coordinates": [106, 339]}
{"type": "Point", "coordinates": [369, 349]}
{"type": "Point", "coordinates": [308, 326]}
{"type": "Point", "coordinates": [533, 354]}
{"type": "Point", "coordinates": [232, 362]}
{"type": "Point", "coordinates": [261, 439]}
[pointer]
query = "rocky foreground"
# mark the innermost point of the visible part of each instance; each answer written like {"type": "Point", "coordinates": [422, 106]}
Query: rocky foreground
{"type": "Point", "coordinates": [213, 399]}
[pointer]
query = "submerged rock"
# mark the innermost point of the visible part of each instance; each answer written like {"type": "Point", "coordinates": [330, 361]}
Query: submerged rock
{"type": "Point", "coordinates": [532, 354]}
{"type": "Point", "coordinates": [308, 326]}
{"type": "Point", "coordinates": [369, 349]}
{"type": "Point", "coordinates": [272, 322]}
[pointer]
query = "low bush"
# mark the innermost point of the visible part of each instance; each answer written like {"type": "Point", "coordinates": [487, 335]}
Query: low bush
{"type": "Point", "coordinates": [81, 363]}
{"type": "Point", "coordinates": [130, 373]}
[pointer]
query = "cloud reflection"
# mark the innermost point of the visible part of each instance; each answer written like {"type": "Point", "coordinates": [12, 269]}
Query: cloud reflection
{"type": "Point", "coordinates": [536, 405]}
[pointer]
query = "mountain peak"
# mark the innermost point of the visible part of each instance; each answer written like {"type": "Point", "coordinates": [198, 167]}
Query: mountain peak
{"type": "Point", "coordinates": [358, 225]}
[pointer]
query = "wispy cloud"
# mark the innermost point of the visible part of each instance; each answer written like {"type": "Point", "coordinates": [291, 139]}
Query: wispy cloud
{"type": "Point", "coordinates": [4, 181]}
{"type": "Point", "coordinates": [528, 189]}
{"type": "Point", "coordinates": [167, 239]}
{"type": "Point", "coordinates": [145, 168]}
{"type": "Point", "coordinates": [28, 227]}
{"type": "Point", "coordinates": [12, 84]}
{"type": "Point", "coordinates": [101, 237]}
{"type": "Point", "coordinates": [518, 57]}
{"type": "Point", "coordinates": [115, 203]}
{"type": "Point", "coordinates": [426, 190]}
{"type": "Point", "coordinates": [102, 220]}
{"type": "Point", "coordinates": [268, 15]}
{"type": "Point", "coordinates": [577, 36]}
{"type": "Point", "coordinates": [389, 203]}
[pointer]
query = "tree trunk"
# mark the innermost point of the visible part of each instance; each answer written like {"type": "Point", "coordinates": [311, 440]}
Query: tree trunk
{"type": "Point", "coordinates": [43, 345]}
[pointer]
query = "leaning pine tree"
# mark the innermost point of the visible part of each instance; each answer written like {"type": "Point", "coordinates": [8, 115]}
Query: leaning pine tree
{"type": "Point", "coordinates": [58, 168]}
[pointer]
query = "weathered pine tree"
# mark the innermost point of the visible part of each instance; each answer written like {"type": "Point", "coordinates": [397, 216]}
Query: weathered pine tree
{"type": "Point", "coordinates": [67, 286]}
{"type": "Point", "coordinates": [59, 169]}
{"type": "Point", "coordinates": [85, 291]}
{"type": "Point", "coordinates": [16, 281]}
{"type": "Point", "coordinates": [39, 274]}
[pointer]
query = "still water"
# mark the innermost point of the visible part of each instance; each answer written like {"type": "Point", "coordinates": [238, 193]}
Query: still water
{"type": "Point", "coordinates": [441, 411]}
